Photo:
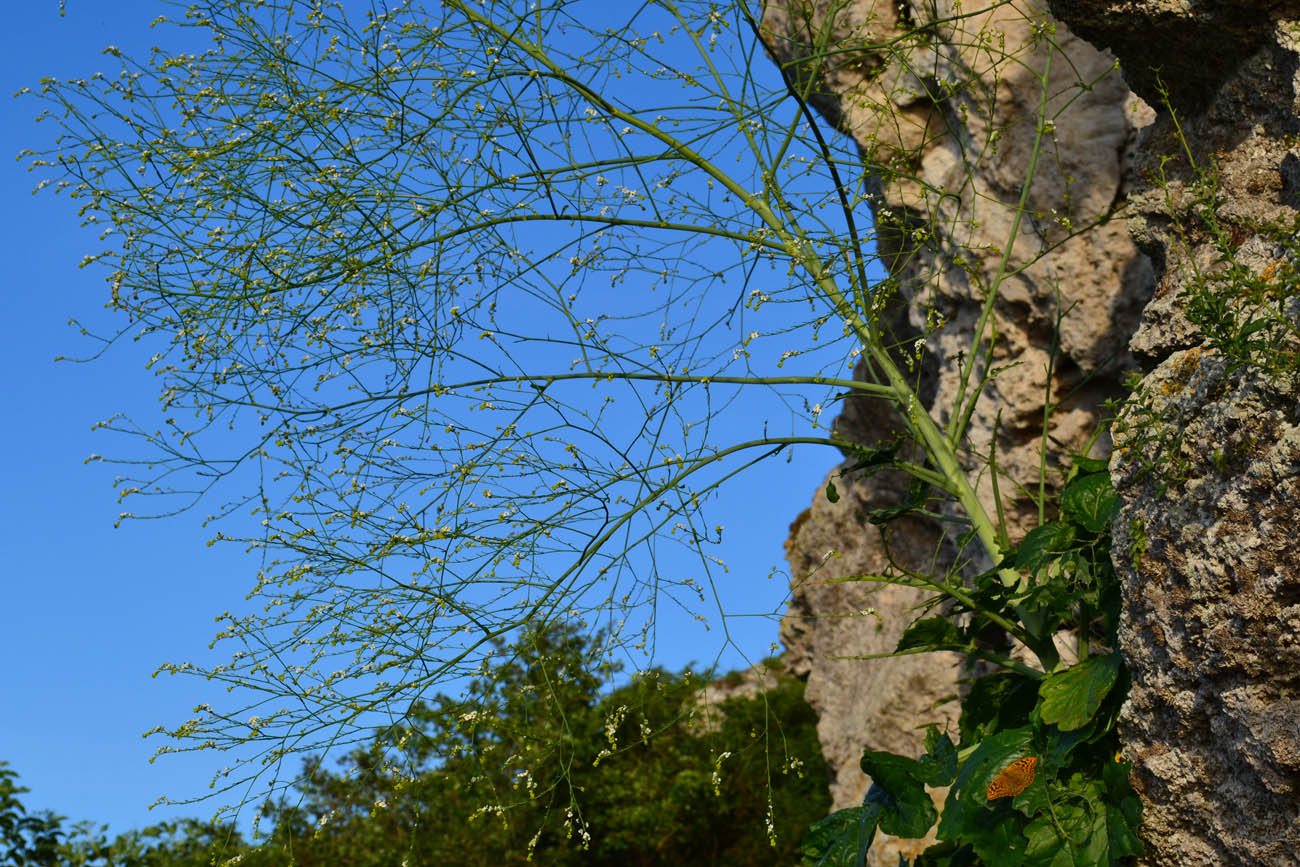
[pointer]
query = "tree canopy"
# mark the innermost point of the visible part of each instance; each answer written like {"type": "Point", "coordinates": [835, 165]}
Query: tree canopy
{"type": "Point", "coordinates": [484, 778]}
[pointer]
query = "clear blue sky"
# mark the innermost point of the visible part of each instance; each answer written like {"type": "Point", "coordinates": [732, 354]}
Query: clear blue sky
{"type": "Point", "coordinates": [90, 611]}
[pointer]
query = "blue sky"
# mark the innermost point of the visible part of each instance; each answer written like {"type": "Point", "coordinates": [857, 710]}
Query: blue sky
{"type": "Point", "coordinates": [90, 611]}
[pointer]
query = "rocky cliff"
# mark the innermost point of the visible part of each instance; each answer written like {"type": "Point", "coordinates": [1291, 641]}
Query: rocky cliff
{"type": "Point", "coordinates": [943, 100]}
{"type": "Point", "coordinates": [1208, 464]}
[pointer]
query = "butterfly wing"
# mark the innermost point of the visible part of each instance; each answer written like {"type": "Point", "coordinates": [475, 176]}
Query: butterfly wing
{"type": "Point", "coordinates": [1014, 779]}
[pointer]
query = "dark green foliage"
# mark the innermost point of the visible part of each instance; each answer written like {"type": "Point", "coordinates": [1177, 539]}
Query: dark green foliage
{"type": "Point", "coordinates": [25, 839]}
{"type": "Point", "coordinates": [1248, 317]}
{"type": "Point", "coordinates": [45, 841]}
{"type": "Point", "coordinates": [994, 703]}
{"type": "Point", "coordinates": [1072, 697]}
{"type": "Point", "coordinates": [535, 759]}
{"type": "Point", "coordinates": [1078, 808]}
{"type": "Point", "coordinates": [1090, 502]}
{"type": "Point", "coordinates": [896, 803]}
{"type": "Point", "coordinates": [646, 770]}
{"type": "Point", "coordinates": [183, 843]}
{"type": "Point", "coordinates": [842, 838]}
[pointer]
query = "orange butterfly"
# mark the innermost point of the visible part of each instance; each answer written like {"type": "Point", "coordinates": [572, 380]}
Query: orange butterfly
{"type": "Point", "coordinates": [1014, 779]}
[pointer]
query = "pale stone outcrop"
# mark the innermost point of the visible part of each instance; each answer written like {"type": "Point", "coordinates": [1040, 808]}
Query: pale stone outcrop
{"type": "Point", "coordinates": [861, 703]}
{"type": "Point", "coordinates": [948, 122]}
{"type": "Point", "coordinates": [1209, 471]}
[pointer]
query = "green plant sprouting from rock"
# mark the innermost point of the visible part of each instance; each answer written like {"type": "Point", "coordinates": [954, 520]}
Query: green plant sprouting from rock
{"type": "Point", "coordinates": [1242, 307]}
{"type": "Point", "coordinates": [1078, 807]}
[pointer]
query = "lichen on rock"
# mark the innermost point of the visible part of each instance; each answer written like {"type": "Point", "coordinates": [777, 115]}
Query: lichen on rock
{"type": "Point", "coordinates": [1208, 459]}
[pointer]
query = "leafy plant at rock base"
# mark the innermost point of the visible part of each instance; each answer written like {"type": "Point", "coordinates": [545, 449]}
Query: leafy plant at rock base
{"type": "Point", "coordinates": [1079, 808]}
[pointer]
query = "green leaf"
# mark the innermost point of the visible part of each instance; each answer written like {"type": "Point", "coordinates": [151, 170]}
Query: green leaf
{"type": "Point", "coordinates": [1071, 697]}
{"type": "Point", "coordinates": [841, 839]}
{"type": "Point", "coordinates": [1256, 326]}
{"type": "Point", "coordinates": [832, 494]}
{"type": "Point", "coordinates": [1072, 833]}
{"type": "Point", "coordinates": [1043, 544]}
{"type": "Point", "coordinates": [905, 808]}
{"type": "Point", "coordinates": [1060, 744]}
{"type": "Point", "coordinates": [1090, 501]}
{"type": "Point", "coordinates": [998, 841]}
{"type": "Point", "coordinates": [989, 594]}
{"type": "Point", "coordinates": [950, 854]}
{"type": "Point", "coordinates": [1086, 584]}
{"type": "Point", "coordinates": [938, 766]}
{"type": "Point", "coordinates": [1088, 465]}
{"type": "Point", "coordinates": [994, 703]}
{"type": "Point", "coordinates": [1123, 811]}
{"type": "Point", "coordinates": [932, 632]}
{"type": "Point", "coordinates": [964, 813]}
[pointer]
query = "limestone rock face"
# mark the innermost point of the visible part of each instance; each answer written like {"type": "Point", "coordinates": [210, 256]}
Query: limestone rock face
{"type": "Point", "coordinates": [945, 103]}
{"type": "Point", "coordinates": [1208, 464]}
{"type": "Point", "coordinates": [1211, 631]}
{"type": "Point", "coordinates": [951, 122]}
{"type": "Point", "coordinates": [882, 704]}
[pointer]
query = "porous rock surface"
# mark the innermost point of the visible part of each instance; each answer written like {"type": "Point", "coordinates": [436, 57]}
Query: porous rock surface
{"type": "Point", "coordinates": [1210, 564]}
{"type": "Point", "coordinates": [1208, 457]}
{"type": "Point", "coordinates": [919, 111]}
